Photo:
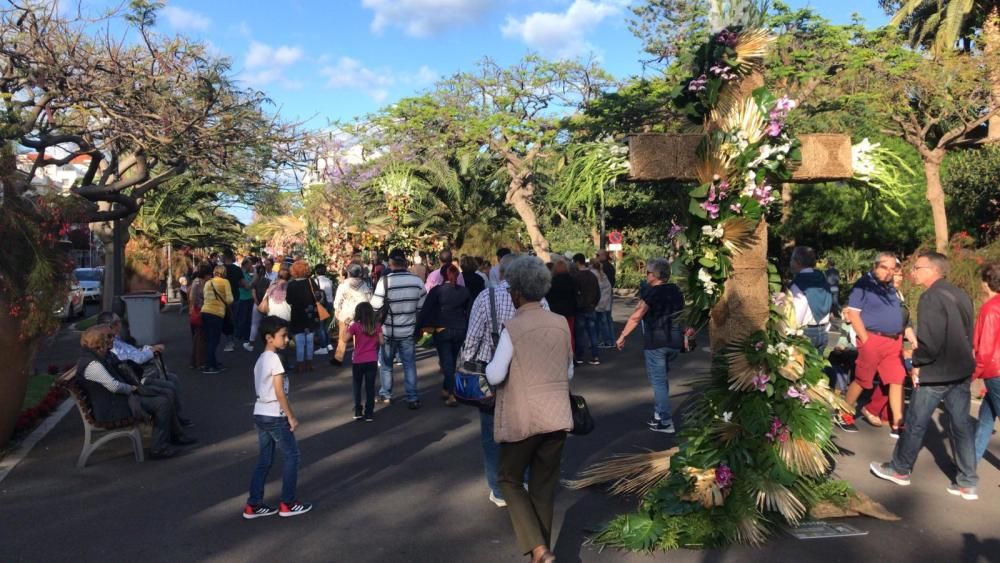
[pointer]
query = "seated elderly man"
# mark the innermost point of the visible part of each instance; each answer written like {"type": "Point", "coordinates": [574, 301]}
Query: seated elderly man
{"type": "Point", "coordinates": [142, 357]}
{"type": "Point", "coordinates": [114, 396]}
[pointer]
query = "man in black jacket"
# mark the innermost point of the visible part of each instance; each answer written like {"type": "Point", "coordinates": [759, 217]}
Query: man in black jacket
{"type": "Point", "coordinates": [588, 294]}
{"type": "Point", "coordinates": [943, 364]}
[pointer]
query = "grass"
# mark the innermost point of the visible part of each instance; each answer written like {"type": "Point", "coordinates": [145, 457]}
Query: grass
{"type": "Point", "coordinates": [38, 386]}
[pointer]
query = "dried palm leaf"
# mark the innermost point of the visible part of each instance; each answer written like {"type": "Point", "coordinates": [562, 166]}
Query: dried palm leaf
{"type": "Point", "coordinates": [726, 431]}
{"type": "Point", "coordinates": [821, 393]}
{"type": "Point", "coordinates": [730, 98]}
{"type": "Point", "coordinates": [738, 234]}
{"type": "Point", "coordinates": [751, 48]}
{"type": "Point", "coordinates": [629, 473]}
{"type": "Point", "coordinates": [776, 497]}
{"type": "Point", "coordinates": [802, 457]}
{"type": "Point", "coordinates": [704, 490]}
{"type": "Point", "coordinates": [715, 164]}
{"type": "Point", "coordinates": [741, 373]}
{"type": "Point", "coordinates": [795, 367]}
{"type": "Point", "coordinates": [750, 531]}
{"type": "Point", "coordinates": [745, 117]}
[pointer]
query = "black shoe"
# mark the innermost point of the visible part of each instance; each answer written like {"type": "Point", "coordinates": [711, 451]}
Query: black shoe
{"type": "Point", "coordinates": [382, 399]}
{"type": "Point", "coordinates": [185, 422]}
{"type": "Point", "coordinates": [165, 453]}
{"type": "Point", "coordinates": [369, 418]}
{"type": "Point", "coordinates": [845, 421]}
{"type": "Point", "coordinates": [595, 362]}
{"type": "Point", "coordinates": [357, 413]}
{"type": "Point", "coordinates": [211, 371]}
{"type": "Point", "coordinates": [414, 405]}
{"type": "Point", "coordinates": [184, 441]}
{"type": "Point", "coordinates": [578, 362]}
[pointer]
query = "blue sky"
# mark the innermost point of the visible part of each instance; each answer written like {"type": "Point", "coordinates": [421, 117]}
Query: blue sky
{"type": "Point", "coordinates": [336, 59]}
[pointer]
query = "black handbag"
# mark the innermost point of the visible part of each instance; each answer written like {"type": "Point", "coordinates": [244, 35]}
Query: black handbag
{"type": "Point", "coordinates": [583, 423]}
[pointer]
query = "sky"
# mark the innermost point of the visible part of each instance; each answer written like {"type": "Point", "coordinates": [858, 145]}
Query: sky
{"type": "Point", "coordinates": [321, 61]}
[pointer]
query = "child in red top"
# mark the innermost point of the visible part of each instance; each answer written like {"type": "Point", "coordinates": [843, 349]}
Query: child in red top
{"type": "Point", "coordinates": [367, 333]}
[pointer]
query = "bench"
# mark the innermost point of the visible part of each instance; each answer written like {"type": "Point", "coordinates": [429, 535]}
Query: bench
{"type": "Point", "coordinates": [127, 427]}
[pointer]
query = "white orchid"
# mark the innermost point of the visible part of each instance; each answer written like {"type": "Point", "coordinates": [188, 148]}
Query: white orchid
{"type": "Point", "coordinates": [713, 233]}
{"type": "Point", "coordinates": [863, 161]}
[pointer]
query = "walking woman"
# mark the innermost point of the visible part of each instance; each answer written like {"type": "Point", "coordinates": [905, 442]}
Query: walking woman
{"type": "Point", "coordinates": [350, 294]}
{"type": "Point", "coordinates": [196, 300]}
{"type": "Point", "coordinates": [303, 301]}
{"type": "Point", "coordinates": [605, 327]}
{"type": "Point", "coordinates": [258, 288]}
{"type": "Point", "coordinates": [986, 341]}
{"type": "Point", "coordinates": [218, 296]}
{"type": "Point", "coordinates": [446, 315]}
{"type": "Point", "coordinates": [532, 368]}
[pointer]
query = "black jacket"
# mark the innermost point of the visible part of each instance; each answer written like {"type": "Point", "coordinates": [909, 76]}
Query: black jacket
{"type": "Point", "coordinates": [944, 333]}
{"type": "Point", "coordinates": [588, 291]}
{"type": "Point", "coordinates": [562, 295]}
{"type": "Point", "coordinates": [447, 306]}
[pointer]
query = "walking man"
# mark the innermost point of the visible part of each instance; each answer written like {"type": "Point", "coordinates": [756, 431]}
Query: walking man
{"type": "Point", "coordinates": [811, 297]}
{"type": "Point", "coordinates": [943, 364]}
{"type": "Point", "coordinates": [398, 297]}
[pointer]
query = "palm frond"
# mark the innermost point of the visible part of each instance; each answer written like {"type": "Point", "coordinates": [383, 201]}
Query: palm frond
{"type": "Point", "coordinates": [803, 457]}
{"type": "Point", "coordinates": [776, 497]}
{"type": "Point", "coordinates": [627, 473]}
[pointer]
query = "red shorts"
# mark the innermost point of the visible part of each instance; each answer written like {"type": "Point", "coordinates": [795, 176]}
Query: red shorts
{"type": "Point", "coordinates": [883, 356]}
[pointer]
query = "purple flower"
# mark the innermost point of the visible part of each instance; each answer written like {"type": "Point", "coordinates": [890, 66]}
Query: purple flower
{"type": "Point", "coordinates": [723, 476]}
{"type": "Point", "coordinates": [736, 208]}
{"type": "Point", "coordinates": [795, 393]}
{"type": "Point", "coordinates": [774, 129]}
{"type": "Point", "coordinates": [727, 38]}
{"type": "Point", "coordinates": [698, 84]}
{"type": "Point", "coordinates": [779, 432]}
{"type": "Point", "coordinates": [711, 208]}
{"type": "Point", "coordinates": [759, 345]}
{"type": "Point", "coordinates": [675, 230]}
{"type": "Point", "coordinates": [760, 381]}
{"type": "Point", "coordinates": [763, 195]}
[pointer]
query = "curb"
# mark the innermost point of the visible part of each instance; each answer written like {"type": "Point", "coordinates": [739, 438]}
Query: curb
{"type": "Point", "coordinates": [15, 457]}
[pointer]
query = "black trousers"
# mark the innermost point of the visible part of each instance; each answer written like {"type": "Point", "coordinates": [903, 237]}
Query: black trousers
{"type": "Point", "coordinates": [531, 511]}
{"type": "Point", "coordinates": [364, 374]}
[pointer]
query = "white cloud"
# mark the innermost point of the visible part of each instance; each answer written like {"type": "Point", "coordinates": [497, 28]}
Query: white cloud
{"type": "Point", "coordinates": [266, 64]}
{"type": "Point", "coordinates": [182, 19]}
{"type": "Point", "coordinates": [562, 34]}
{"type": "Point", "coordinates": [423, 18]}
{"type": "Point", "coordinates": [352, 74]}
{"type": "Point", "coordinates": [425, 76]}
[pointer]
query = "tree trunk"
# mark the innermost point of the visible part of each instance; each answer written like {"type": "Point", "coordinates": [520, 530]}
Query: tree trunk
{"type": "Point", "coordinates": [991, 47]}
{"type": "Point", "coordinates": [935, 195]}
{"type": "Point", "coordinates": [787, 241]}
{"type": "Point", "coordinates": [519, 197]}
{"type": "Point", "coordinates": [14, 371]}
{"type": "Point", "coordinates": [746, 301]}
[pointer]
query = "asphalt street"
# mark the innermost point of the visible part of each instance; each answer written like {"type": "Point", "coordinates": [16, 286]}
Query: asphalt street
{"type": "Point", "coordinates": [410, 487]}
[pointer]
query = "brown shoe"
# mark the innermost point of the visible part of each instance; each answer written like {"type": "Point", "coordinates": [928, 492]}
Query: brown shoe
{"type": "Point", "coordinates": [445, 395]}
{"type": "Point", "coordinates": [451, 401]}
{"type": "Point", "coordinates": [872, 419]}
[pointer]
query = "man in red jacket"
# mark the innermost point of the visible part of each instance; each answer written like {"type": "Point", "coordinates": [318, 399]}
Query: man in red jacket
{"type": "Point", "coordinates": [986, 342]}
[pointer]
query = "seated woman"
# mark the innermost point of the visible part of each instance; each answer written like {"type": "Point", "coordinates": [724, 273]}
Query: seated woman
{"type": "Point", "coordinates": [112, 396]}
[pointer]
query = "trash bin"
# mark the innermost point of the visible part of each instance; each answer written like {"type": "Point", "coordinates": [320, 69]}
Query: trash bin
{"type": "Point", "coordinates": [143, 310]}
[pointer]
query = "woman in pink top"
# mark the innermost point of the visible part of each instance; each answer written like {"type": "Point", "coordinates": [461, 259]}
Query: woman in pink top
{"type": "Point", "coordinates": [367, 333]}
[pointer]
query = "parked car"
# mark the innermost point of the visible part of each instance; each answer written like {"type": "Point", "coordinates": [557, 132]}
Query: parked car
{"type": "Point", "coordinates": [91, 281]}
{"type": "Point", "coordinates": [74, 305]}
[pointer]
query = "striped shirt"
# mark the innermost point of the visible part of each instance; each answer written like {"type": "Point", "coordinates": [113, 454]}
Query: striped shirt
{"type": "Point", "coordinates": [478, 342]}
{"type": "Point", "coordinates": [403, 293]}
{"type": "Point", "coordinates": [99, 374]}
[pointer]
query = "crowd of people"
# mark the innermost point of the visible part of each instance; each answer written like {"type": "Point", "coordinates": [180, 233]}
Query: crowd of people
{"type": "Point", "coordinates": [530, 325]}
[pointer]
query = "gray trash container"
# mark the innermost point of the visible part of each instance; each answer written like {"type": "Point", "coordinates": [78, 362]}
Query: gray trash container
{"type": "Point", "coordinates": [143, 311]}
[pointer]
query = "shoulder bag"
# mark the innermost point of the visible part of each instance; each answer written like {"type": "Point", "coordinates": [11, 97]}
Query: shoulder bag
{"type": "Point", "coordinates": [583, 423]}
{"type": "Point", "coordinates": [321, 311]}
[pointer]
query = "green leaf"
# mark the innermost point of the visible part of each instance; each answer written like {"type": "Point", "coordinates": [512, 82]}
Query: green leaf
{"type": "Point", "coordinates": [707, 262]}
{"type": "Point", "coordinates": [699, 191]}
{"type": "Point", "coordinates": [695, 209]}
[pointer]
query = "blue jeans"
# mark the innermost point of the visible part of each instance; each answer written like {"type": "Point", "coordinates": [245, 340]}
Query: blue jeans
{"type": "Point", "coordinates": [273, 430]}
{"type": "Point", "coordinates": [586, 328]}
{"type": "Point", "coordinates": [818, 335]}
{"type": "Point", "coordinates": [605, 327]}
{"type": "Point", "coordinates": [211, 326]}
{"type": "Point", "coordinates": [988, 411]}
{"type": "Point", "coordinates": [448, 343]}
{"type": "Point", "coordinates": [324, 334]}
{"type": "Point", "coordinates": [923, 401]}
{"type": "Point", "coordinates": [657, 367]}
{"type": "Point", "coordinates": [491, 451]}
{"type": "Point", "coordinates": [304, 346]}
{"type": "Point", "coordinates": [406, 348]}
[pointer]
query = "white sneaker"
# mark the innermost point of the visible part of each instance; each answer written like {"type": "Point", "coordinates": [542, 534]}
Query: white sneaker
{"type": "Point", "coordinates": [248, 347]}
{"type": "Point", "coordinates": [228, 348]}
{"type": "Point", "coordinates": [497, 501]}
{"type": "Point", "coordinates": [330, 348]}
{"type": "Point", "coordinates": [321, 352]}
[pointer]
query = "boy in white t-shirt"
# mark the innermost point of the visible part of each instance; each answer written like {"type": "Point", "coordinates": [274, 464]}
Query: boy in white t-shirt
{"type": "Point", "coordinates": [275, 423]}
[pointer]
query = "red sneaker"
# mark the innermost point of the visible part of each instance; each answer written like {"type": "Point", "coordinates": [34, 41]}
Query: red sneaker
{"type": "Point", "coordinates": [250, 511]}
{"type": "Point", "coordinates": [294, 509]}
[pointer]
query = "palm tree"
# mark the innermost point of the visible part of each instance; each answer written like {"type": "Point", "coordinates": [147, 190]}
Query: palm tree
{"type": "Point", "coordinates": [942, 24]}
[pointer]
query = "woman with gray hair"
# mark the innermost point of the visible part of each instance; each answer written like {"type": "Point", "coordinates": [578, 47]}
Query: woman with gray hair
{"type": "Point", "coordinates": [531, 368]}
{"type": "Point", "coordinates": [350, 293]}
{"type": "Point", "coordinates": [658, 312]}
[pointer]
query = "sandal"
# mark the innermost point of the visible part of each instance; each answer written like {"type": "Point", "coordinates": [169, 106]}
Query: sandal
{"type": "Point", "coordinates": [870, 418]}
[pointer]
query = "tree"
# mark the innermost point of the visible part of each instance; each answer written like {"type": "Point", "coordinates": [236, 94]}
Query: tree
{"type": "Point", "coordinates": [936, 105]}
{"type": "Point", "coordinates": [185, 213]}
{"type": "Point", "coordinates": [943, 25]}
{"type": "Point", "coordinates": [972, 182]}
{"type": "Point", "coordinates": [143, 108]}
{"type": "Point", "coordinates": [515, 113]}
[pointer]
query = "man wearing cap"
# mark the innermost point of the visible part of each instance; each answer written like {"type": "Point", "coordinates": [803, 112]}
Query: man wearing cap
{"type": "Point", "coordinates": [398, 297]}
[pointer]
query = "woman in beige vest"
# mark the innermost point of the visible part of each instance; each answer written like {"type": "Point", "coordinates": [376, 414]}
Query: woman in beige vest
{"type": "Point", "coordinates": [531, 368]}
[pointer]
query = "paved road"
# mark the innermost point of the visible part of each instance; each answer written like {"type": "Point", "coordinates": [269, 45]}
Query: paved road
{"type": "Point", "coordinates": [409, 487]}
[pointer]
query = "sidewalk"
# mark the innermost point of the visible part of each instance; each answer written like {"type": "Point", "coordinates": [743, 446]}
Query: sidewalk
{"type": "Point", "coordinates": [410, 486]}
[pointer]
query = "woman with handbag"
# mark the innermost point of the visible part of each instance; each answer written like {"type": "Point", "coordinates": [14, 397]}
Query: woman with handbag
{"type": "Point", "coordinates": [300, 295]}
{"type": "Point", "coordinates": [218, 296]}
{"type": "Point", "coordinates": [352, 292]}
{"type": "Point", "coordinates": [195, 303]}
{"type": "Point", "coordinates": [531, 368]}
{"type": "Point", "coordinates": [445, 315]}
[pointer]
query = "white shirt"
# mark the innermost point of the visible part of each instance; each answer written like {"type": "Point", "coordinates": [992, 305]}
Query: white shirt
{"type": "Point", "coordinates": [326, 286]}
{"type": "Point", "coordinates": [268, 365]}
{"type": "Point", "coordinates": [499, 366]}
{"type": "Point", "coordinates": [803, 314]}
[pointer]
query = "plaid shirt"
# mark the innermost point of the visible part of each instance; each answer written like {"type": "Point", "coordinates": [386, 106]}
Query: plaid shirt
{"type": "Point", "coordinates": [478, 343]}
